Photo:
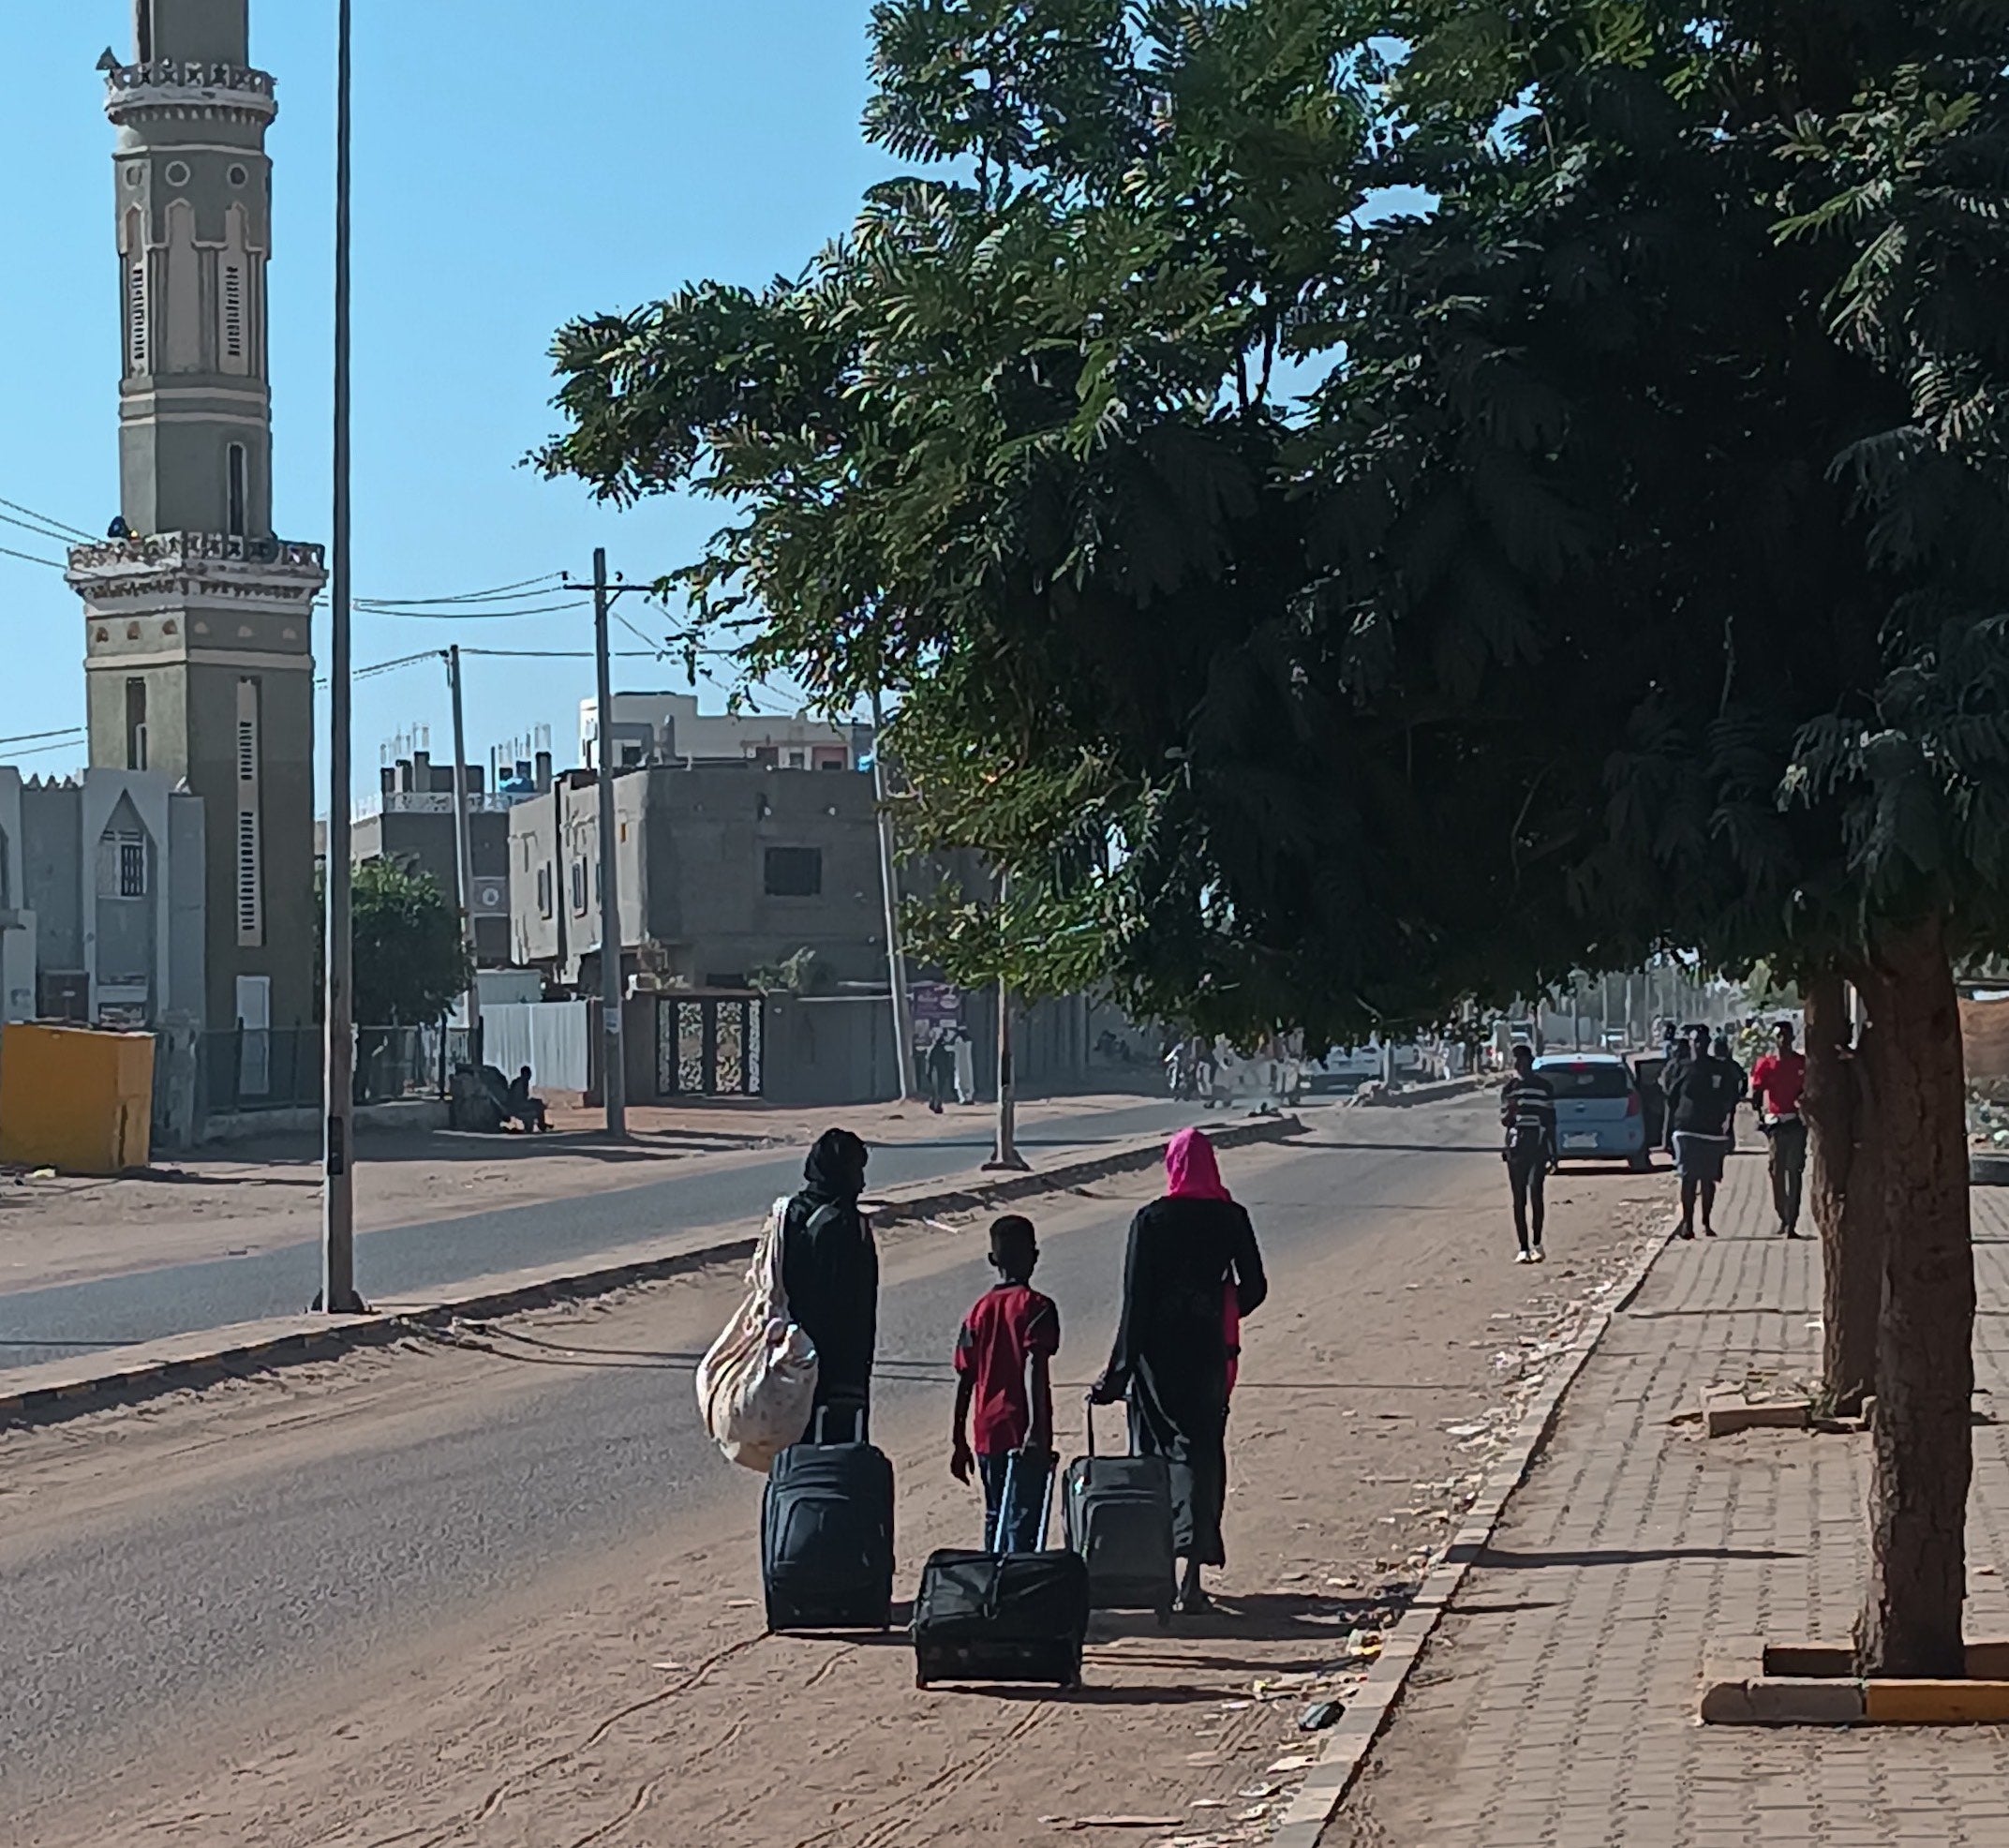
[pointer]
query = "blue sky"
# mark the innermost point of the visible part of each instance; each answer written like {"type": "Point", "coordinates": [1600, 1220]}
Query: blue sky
{"type": "Point", "coordinates": [516, 163]}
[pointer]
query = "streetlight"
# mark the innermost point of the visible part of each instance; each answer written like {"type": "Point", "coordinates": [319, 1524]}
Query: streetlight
{"type": "Point", "coordinates": [338, 1201]}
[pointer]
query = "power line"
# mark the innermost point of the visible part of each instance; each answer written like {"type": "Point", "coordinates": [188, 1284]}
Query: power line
{"type": "Point", "coordinates": [41, 529]}
{"type": "Point", "coordinates": [29, 558]}
{"type": "Point", "coordinates": [81, 537]}
{"type": "Point", "coordinates": [32, 737]}
{"type": "Point", "coordinates": [408, 615]}
{"type": "Point", "coordinates": [44, 749]}
{"type": "Point", "coordinates": [500, 594]}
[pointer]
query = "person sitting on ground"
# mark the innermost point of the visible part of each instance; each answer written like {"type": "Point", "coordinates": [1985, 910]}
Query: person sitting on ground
{"type": "Point", "coordinates": [1003, 1356]}
{"type": "Point", "coordinates": [524, 1109]}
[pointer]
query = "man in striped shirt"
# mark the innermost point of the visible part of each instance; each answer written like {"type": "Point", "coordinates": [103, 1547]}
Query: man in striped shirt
{"type": "Point", "coordinates": [1527, 1112]}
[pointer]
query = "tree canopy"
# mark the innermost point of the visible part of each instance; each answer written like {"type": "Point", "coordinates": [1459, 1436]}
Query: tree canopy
{"type": "Point", "coordinates": [411, 962]}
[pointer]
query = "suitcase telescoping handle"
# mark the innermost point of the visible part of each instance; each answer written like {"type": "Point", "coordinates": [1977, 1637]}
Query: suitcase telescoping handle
{"type": "Point", "coordinates": [858, 1410]}
{"type": "Point", "coordinates": [1007, 1499]}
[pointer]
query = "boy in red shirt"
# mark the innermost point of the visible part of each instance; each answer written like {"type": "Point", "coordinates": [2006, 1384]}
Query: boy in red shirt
{"type": "Point", "coordinates": [1003, 1368]}
{"type": "Point", "coordinates": [1776, 1082]}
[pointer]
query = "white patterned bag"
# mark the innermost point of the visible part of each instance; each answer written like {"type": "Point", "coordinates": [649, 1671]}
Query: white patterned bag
{"type": "Point", "coordinates": [755, 1386]}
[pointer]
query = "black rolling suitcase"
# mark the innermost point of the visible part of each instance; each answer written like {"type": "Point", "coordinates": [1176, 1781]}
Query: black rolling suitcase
{"type": "Point", "coordinates": [1002, 1617]}
{"type": "Point", "coordinates": [1118, 1513]}
{"type": "Point", "coordinates": [826, 1534]}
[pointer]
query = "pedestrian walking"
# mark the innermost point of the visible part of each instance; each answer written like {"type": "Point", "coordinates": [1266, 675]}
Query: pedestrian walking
{"type": "Point", "coordinates": [1170, 1359]}
{"type": "Point", "coordinates": [1527, 1114]}
{"type": "Point", "coordinates": [965, 1050]}
{"type": "Point", "coordinates": [1003, 1374]}
{"type": "Point", "coordinates": [830, 1271]}
{"type": "Point", "coordinates": [1702, 1101]}
{"type": "Point", "coordinates": [1779, 1080]}
{"type": "Point", "coordinates": [1679, 1050]}
{"type": "Point", "coordinates": [941, 1069]}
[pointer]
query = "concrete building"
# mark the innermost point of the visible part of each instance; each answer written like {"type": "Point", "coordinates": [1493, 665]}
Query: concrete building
{"type": "Point", "coordinates": [101, 900]}
{"type": "Point", "coordinates": [722, 872]}
{"type": "Point", "coordinates": [668, 728]}
{"type": "Point", "coordinates": [198, 617]}
{"type": "Point", "coordinates": [411, 822]}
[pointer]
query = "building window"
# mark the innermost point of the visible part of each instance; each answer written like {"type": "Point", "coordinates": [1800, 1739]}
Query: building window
{"type": "Point", "coordinates": [250, 856]}
{"type": "Point", "coordinates": [795, 872]}
{"type": "Point", "coordinates": [136, 725]}
{"type": "Point", "coordinates": [543, 891]}
{"type": "Point", "coordinates": [135, 304]}
{"type": "Point", "coordinates": [578, 889]}
{"type": "Point", "coordinates": [122, 866]}
{"type": "Point", "coordinates": [142, 29]}
{"type": "Point", "coordinates": [237, 490]}
{"type": "Point", "coordinates": [631, 756]}
{"type": "Point", "coordinates": [233, 311]}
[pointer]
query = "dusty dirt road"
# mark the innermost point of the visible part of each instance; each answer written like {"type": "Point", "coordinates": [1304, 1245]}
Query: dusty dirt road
{"type": "Point", "coordinates": [500, 1594]}
{"type": "Point", "coordinates": [259, 1197]}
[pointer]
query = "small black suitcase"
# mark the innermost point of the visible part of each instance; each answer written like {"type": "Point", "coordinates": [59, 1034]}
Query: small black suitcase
{"type": "Point", "coordinates": [1002, 1617]}
{"type": "Point", "coordinates": [1117, 1513]}
{"type": "Point", "coordinates": [827, 1535]}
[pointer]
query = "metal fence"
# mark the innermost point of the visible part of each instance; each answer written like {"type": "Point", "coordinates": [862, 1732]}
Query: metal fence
{"type": "Point", "coordinates": [244, 1071]}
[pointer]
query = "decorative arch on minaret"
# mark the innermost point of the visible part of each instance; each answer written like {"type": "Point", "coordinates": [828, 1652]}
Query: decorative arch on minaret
{"type": "Point", "coordinates": [177, 335]}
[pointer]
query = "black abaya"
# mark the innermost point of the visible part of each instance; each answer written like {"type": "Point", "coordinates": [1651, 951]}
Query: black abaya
{"type": "Point", "coordinates": [831, 1272]}
{"type": "Point", "coordinates": [1171, 1358]}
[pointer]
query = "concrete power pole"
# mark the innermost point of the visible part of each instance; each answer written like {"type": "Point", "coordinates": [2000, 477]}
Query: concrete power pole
{"type": "Point", "coordinates": [895, 958]}
{"type": "Point", "coordinates": [338, 1202]}
{"type": "Point", "coordinates": [613, 1056]}
{"type": "Point", "coordinates": [1005, 1154]}
{"type": "Point", "coordinates": [464, 854]}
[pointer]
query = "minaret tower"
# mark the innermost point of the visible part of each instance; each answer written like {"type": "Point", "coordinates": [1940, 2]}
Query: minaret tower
{"type": "Point", "coordinates": [198, 620]}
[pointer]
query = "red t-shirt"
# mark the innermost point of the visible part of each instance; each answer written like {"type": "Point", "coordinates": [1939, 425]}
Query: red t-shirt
{"type": "Point", "coordinates": [1008, 1324]}
{"type": "Point", "coordinates": [1779, 1079]}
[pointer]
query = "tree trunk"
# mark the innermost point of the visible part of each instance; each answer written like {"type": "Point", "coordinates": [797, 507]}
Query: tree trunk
{"type": "Point", "coordinates": [1844, 1197]}
{"type": "Point", "coordinates": [1910, 1624]}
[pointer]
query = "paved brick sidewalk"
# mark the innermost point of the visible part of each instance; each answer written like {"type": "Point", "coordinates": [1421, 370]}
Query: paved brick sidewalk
{"type": "Point", "coordinates": [1556, 1707]}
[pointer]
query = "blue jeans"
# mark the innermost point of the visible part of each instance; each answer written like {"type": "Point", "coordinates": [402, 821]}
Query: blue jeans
{"type": "Point", "coordinates": [1020, 1522]}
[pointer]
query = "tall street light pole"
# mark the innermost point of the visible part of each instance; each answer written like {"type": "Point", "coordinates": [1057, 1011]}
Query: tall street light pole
{"type": "Point", "coordinates": [338, 1214]}
{"type": "Point", "coordinates": [464, 855]}
{"type": "Point", "coordinates": [613, 1057]}
{"type": "Point", "coordinates": [895, 958]}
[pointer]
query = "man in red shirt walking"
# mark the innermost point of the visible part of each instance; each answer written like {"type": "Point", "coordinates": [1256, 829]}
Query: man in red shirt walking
{"type": "Point", "coordinates": [1778, 1081]}
{"type": "Point", "coordinates": [1002, 1370]}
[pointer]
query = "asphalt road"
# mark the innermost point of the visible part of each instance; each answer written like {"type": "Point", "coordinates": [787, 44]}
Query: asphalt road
{"type": "Point", "coordinates": [127, 1625]}
{"type": "Point", "coordinates": [51, 1324]}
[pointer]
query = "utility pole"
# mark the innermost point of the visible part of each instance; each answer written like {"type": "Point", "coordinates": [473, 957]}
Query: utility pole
{"type": "Point", "coordinates": [1005, 1156]}
{"type": "Point", "coordinates": [613, 1056]}
{"type": "Point", "coordinates": [464, 854]}
{"type": "Point", "coordinates": [338, 1201]}
{"type": "Point", "coordinates": [896, 958]}
{"type": "Point", "coordinates": [613, 1068]}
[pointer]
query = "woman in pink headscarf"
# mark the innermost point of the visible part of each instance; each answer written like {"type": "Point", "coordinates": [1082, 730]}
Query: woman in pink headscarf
{"type": "Point", "coordinates": [1192, 1272]}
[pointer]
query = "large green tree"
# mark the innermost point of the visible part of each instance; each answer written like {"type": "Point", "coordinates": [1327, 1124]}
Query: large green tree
{"type": "Point", "coordinates": [1633, 573]}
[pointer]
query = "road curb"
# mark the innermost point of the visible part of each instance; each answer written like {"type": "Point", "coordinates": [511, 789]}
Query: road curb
{"type": "Point", "coordinates": [63, 1389]}
{"type": "Point", "coordinates": [1348, 1743]}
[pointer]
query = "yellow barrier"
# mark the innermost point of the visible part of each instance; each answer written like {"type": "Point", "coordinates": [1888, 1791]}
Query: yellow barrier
{"type": "Point", "coordinates": [76, 1100]}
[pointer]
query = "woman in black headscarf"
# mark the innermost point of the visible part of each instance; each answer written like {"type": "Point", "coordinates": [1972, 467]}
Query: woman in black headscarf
{"type": "Point", "coordinates": [830, 1272]}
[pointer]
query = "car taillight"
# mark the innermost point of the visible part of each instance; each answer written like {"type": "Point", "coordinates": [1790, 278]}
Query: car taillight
{"type": "Point", "coordinates": [1634, 1103]}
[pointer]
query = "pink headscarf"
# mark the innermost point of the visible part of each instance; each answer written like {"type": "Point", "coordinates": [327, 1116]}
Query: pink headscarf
{"type": "Point", "coordinates": [1193, 1172]}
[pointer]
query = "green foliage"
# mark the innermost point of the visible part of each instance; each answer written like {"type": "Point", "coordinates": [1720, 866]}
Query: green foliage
{"type": "Point", "coordinates": [411, 961]}
{"type": "Point", "coordinates": [1634, 572]}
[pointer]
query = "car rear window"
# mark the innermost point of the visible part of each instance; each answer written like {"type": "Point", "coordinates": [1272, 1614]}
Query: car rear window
{"type": "Point", "coordinates": [1588, 1080]}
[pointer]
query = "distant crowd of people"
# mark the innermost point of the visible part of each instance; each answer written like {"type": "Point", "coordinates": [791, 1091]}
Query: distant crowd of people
{"type": "Point", "coordinates": [1703, 1086]}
